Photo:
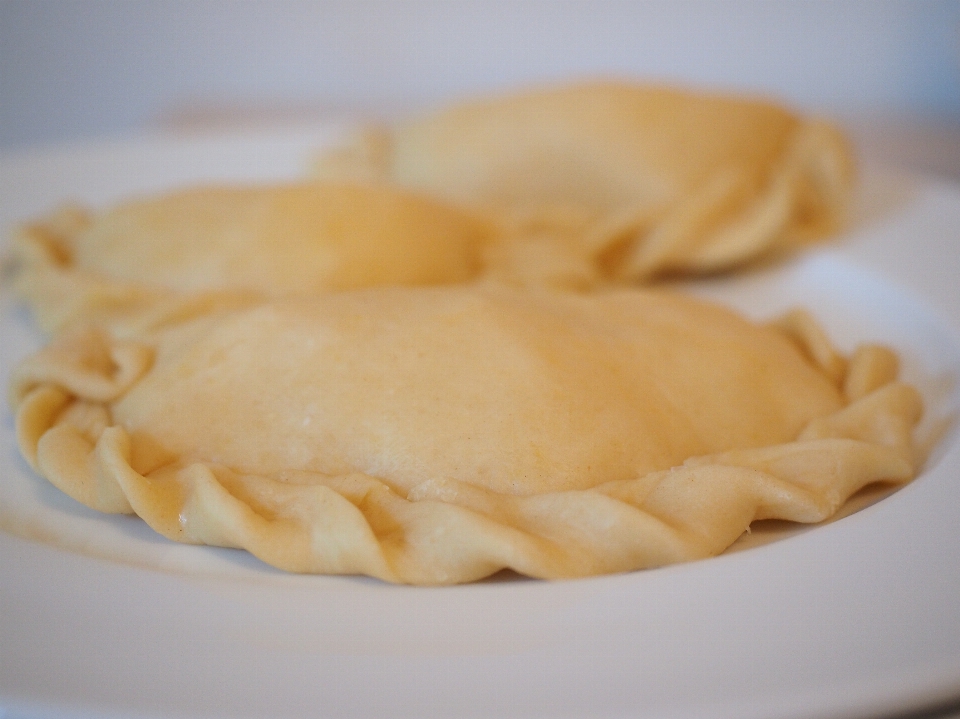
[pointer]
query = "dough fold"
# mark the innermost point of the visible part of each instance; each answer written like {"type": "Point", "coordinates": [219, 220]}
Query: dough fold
{"type": "Point", "coordinates": [438, 435]}
{"type": "Point", "coordinates": [611, 181]}
{"type": "Point", "coordinates": [224, 244]}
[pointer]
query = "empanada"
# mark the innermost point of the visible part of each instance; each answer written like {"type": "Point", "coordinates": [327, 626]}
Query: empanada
{"type": "Point", "coordinates": [438, 435]}
{"type": "Point", "coordinates": [296, 239]}
{"type": "Point", "coordinates": [609, 180]}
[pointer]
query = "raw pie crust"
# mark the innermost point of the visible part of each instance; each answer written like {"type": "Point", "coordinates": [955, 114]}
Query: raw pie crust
{"type": "Point", "coordinates": [147, 254]}
{"type": "Point", "coordinates": [609, 181]}
{"type": "Point", "coordinates": [438, 435]}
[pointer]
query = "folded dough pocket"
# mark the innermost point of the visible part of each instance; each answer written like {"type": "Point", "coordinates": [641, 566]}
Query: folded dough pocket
{"type": "Point", "coordinates": [437, 435]}
{"type": "Point", "coordinates": [610, 180]}
{"type": "Point", "coordinates": [240, 241]}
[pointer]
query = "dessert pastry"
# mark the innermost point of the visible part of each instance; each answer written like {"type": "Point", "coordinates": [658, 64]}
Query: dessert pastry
{"type": "Point", "coordinates": [610, 181]}
{"type": "Point", "coordinates": [148, 254]}
{"type": "Point", "coordinates": [437, 435]}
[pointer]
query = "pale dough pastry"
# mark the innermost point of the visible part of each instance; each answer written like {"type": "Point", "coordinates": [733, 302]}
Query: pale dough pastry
{"type": "Point", "coordinates": [438, 435]}
{"type": "Point", "coordinates": [613, 181]}
{"type": "Point", "coordinates": [296, 239]}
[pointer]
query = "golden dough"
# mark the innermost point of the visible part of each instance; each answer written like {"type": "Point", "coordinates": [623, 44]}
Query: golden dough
{"type": "Point", "coordinates": [266, 240]}
{"type": "Point", "coordinates": [437, 435]}
{"type": "Point", "coordinates": [618, 181]}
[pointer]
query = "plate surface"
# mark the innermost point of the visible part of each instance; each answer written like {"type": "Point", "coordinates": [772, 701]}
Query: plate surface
{"type": "Point", "coordinates": [857, 618]}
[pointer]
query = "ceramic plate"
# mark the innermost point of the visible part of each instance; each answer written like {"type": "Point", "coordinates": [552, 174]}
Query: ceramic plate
{"type": "Point", "coordinates": [99, 617]}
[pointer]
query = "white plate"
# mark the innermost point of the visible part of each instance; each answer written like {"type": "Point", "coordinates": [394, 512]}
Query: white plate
{"type": "Point", "coordinates": [858, 618]}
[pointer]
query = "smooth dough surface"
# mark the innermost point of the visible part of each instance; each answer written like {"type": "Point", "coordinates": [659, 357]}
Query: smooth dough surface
{"type": "Point", "coordinates": [518, 394]}
{"type": "Point", "coordinates": [279, 240]}
{"type": "Point", "coordinates": [438, 435]}
{"type": "Point", "coordinates": [633, 180]}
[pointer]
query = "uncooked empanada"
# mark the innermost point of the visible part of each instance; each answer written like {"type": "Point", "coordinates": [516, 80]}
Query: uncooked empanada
{"type": "Point", "coordinates": [257, 240]}
{"type": "Point", "coordinates": [618, 181]}
{"type": "Point", "coordinates": [437, 435]}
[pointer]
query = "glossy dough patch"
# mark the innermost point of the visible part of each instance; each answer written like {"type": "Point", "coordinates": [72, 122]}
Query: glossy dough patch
{"type": "Point", "coordinates": [437, 435]}
{"type": "Point", "coordinates": [612, 181]}
{"type": "Point", "coordinates": [253, 241]}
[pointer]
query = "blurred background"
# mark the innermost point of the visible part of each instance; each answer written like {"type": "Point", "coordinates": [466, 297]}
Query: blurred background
{"type": "Point", "coordinates": [72, 71]}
